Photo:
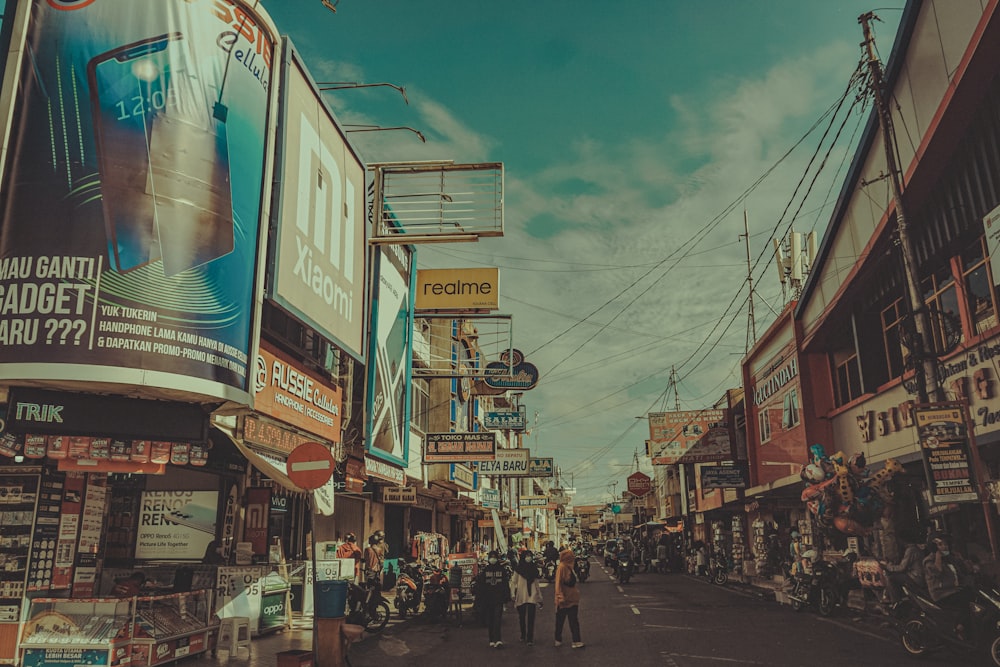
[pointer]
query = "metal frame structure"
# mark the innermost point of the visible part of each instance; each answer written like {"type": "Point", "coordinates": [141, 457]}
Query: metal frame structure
{"type": "Point", "coordinates": [432, 356]}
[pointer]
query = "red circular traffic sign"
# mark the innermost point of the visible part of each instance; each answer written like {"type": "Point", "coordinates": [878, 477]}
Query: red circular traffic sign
{"type": "Point", "coordinates": [310, 465]}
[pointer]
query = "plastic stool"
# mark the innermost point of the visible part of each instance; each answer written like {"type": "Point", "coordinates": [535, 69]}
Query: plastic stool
{"type": "Point", "coordinates": [234, 634]}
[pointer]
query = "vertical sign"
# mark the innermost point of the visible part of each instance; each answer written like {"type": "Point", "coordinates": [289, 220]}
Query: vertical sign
{"type": "Point", "coordinates": [944, 443]}
{"type": "Point", "coordinates": [255, 527]}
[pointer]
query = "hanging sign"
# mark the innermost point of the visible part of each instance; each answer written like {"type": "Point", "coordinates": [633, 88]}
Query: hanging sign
{"type": "Point", "coordinates": [459, 447]}
{"type": "Point", "coordinates": [638, 484]}
{"type": "Point", "coordinates": [399, 495]}
{"type": "Point", "coordinates": [944, 443]}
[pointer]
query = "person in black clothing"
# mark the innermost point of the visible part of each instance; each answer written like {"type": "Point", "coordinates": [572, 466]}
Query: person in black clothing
{"type": "Point", "coordinates": [492, 592]}
{"type": "Point", "coordinates": [550, 552]}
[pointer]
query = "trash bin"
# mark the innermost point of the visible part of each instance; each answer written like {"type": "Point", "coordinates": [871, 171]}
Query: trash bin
{"type": "Point", "coordinates": [295, 658]}
{"type": "Point", "coordinates": [330, 598]}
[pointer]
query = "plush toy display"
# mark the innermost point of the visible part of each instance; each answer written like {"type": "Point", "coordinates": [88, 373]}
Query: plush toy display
{"type": "Point", "coordinates": [840, 493]}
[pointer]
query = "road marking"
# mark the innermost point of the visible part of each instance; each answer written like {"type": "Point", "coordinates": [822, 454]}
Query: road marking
{"type": "Point", "coordinates": [635, 610]}
{"type": "Point", "coordinates": [742, 661]}
{"type": "Point", "coordinates": [675, 627]}
{"type": "Point", "coordinates": [620, 589]}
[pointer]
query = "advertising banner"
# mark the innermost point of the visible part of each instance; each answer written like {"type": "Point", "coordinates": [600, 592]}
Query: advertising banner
{"type": "Point", "coordinates": [286, 391]}
{"type": "Point", "coordinates": [722, 477]}
{"type": "Point", "coordinates": [176, 525]}
{"type": "Point", "coordinates": [541, 467]}
{"type": "Point", "coordinates": [506, 463]}
{"type": "Point", "coordinates": [319, 272]}
{"type": "Point", "coordinates": [391, 354]}
{"type": "Point", "coordinates": [505, 420]}
{"type": "Point", "coordinates": [489, 498]}
{"type": "Point", "coordinates": [944, 443]}
{"type": "Point", "coordinates": [131, 195]}
{"type": "Point", "coordinates": [459, 447]}
{"type": "Point", "coordinates": [689, 436]}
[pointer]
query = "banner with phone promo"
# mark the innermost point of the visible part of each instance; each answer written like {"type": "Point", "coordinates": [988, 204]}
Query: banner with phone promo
{"type": "Point", "coordinates": [944, 443]}
{"type": "Point", "coordinates": [177, 525]}
{"type": "Point", "coordinates": [130, 198]}
{"type": "Point", "coordinates": [389, 359]}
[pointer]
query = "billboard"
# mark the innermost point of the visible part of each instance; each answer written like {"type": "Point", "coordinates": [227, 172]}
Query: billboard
{"type": "Point", "coordinates": [287, 391]}
{"type": "Point", "coordinates": [319, 253]}
{"type": "Point", "coordinates": [689, 436]}
{"type": "Point", "coordinates": [131, 195]}
{"type": "Point", "coordinates": [458, 289]}
{"type": "Point", "coordinates": [391, 354]}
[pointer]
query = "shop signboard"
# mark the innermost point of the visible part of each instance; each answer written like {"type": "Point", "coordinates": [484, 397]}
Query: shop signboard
{"type": "Point", "coordinates": [541, 467]}
{"type": "Point", "coordinates": [638, 484]}
{"type": "Point", "coordinates": [283, 389]}
{"type": "Point", "coordinates": [131, 216]}
{"type": "Point", "coordinates": [505, 420]}
{"type": "Point", "coordinates": [722, 477]}
{"type": "Point", "coordinates": [273, 611]}
{"type": "Point", "coordinates": [319, 272]}
{"type": "Point", "coordinates": [390, 356]}
{"type": "Point", "coordinates": [383, 470]}
{"type": "Point", "coordinates": [689, 436]}
{"type": "Point", "coordinates": [511, 372]}
{"type": "Point", "coordinates": [507, 463]}
{"type": "Point", "coordinates": [944, 442]}
{"type": "Point", "coordinates": [399, 495]}
{"type": "Point", "coordinates": [489, 498]}
{"type": "Point", "coordinates": [463, 476]}
{"type": "Point", "coordinates": [569, 521]}
{"type": "Point", "coordinates": [64, 657]}
{"type": "Point", "coordinates": [533, 501]}
{"type": "Point", "coordinates": [177, 525]}
{"type": "Point", "coordinates": [471, 289]}
{"type": "Point", "coordinates": [459, 447]}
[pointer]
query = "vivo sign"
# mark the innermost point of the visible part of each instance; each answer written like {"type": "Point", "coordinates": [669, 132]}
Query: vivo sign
{"type": "Point", "coordinates": [320, 248]}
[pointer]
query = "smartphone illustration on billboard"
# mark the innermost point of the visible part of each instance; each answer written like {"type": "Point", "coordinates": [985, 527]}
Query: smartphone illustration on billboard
{"type": "Point", "coordinates": [163, 156]}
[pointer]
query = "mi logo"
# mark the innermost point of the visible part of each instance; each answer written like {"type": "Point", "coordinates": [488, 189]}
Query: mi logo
{"type": "Point", "coordinates": [325, 223]}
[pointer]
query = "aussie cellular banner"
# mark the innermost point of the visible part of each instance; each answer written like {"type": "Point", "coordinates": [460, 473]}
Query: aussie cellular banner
{"type": "Point", "coordinates": [130, 204]}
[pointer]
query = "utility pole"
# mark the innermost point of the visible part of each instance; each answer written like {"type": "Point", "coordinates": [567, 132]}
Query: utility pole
{"type": "Point", "coordinates": [928, 385]}
{"type": "Point", "coordinates": [751, 320]}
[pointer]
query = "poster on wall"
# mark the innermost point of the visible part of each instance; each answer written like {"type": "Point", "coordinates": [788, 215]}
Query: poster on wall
{"type": "Point", "coordinates": [390, 357]}
{"type": "Point", "coordinates": [176, 525]}
{"type": "Point", "coordinates": [944, 443]}
{"type": "Point", "coordinates": [131, 195]}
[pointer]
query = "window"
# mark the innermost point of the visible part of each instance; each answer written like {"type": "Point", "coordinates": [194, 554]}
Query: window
{"type": "Point", "coordinates": [421, 405]}
{"type": "Point", "coordinates": [978, 281]}
{"type": "Point", "coordinates": [847, 376]}
{"type": "Point", "coordinates": [764, 424]}
{"type": "Point", "coordinates": [940, 294]}
{"type": "Point", "coordinates": [892, 337]}
{"type": "Point", "coordinates": [790, 409]}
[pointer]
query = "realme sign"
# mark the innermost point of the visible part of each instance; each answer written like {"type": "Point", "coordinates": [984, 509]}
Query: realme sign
{"type": "Point", "coordinates": [458, 289]}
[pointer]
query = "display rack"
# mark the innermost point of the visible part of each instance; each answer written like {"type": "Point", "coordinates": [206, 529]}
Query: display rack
{"type": "Point", "coordinates": [739, 543]}
{"type": "Point", "coordinates": [144, 631]}
{"type": "Point", "coordinates": [61, 632]}
{"type": "Point", "coordinates": [170, 627]}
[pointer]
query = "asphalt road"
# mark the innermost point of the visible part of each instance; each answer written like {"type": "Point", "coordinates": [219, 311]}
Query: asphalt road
{"type": "Point", "coordinates": [673, 620]}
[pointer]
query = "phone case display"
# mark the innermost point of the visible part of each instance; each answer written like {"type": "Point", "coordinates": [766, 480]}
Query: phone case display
{"type": "Point", "coordinates": [739, 543]}
{"type": "Point", "coordinates": [18, 497]}
{"type": "Point", "coordinates": [122, 522]}
{"type": "Point", "coordinates": [168, 627]}
{"type": "Point", "coordinates": [60, 632]}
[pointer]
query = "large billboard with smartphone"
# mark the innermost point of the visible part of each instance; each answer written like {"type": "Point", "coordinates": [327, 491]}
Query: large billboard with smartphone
{"type": "Point", "coordinates": [319, 254]}
{"type": "Point", "coordinates": [131, 195]}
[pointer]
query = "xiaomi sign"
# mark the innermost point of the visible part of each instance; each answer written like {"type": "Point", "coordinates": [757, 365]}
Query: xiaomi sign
{"type": "Point", "coordinates": [458, 289]}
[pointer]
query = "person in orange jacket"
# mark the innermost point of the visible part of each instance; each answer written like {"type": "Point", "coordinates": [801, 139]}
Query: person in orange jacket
{"type": "Point", "coordinates": [567, 598]}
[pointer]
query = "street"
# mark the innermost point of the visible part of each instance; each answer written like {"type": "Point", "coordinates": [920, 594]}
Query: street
{"type": "Point", "coordinates": [675, 620]}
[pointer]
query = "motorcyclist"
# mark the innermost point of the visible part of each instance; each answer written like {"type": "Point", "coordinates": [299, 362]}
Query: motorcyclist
{"type": "Point", "coordinates": [349, 549]}
{"type": "Point", "coordinates": [909, 570]}
{"type": "Point", "coordinates": [374, 557]}
{"type": "Point", "coordinates": [949, 579]}
{"type": "Point", "coordinates": [550, 552]}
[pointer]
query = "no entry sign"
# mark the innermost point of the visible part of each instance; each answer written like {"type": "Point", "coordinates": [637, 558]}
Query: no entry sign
{"type": "Point", "coordinates": [310, 465]}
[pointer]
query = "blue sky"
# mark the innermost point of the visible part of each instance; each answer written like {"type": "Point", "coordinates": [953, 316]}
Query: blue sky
{"type": "Point", "coordinates": [633, 135]}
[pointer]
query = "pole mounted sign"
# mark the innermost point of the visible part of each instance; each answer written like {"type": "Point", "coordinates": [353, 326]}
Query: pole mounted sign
{"type": "Point", "coordinates": [310, 465]}
{"type": "Point", "coordinates": [638, 484]}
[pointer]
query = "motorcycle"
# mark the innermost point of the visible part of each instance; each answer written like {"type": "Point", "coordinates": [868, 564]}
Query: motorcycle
{"type": "Point", "coordinates": [822, 589]}
{"type": "Point", "coordinates": [409, 589]}
{"type": "Point", "coordinates": [718, 569]}
{"type": "Point", "coordinates": [933, 628]}
{"type": "Point", "coordinates": [436, 596]}
{"type": "Point", "coordinates": [582, 568]}
{"type": "Point", "coordinates": [624, 568]}
{"type": "Point", "coordinates": [366, 606]}
{"type": "Point", "coordinates": [549, 570]}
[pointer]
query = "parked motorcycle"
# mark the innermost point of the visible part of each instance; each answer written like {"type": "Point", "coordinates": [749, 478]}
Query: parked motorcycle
{"type": "Point", "coordinates": [932, 628]}
{"type": "Point", "coordinates": [821, 589]}
{"type": "Point", "coordinates": [582, 568]}
{"type": "Point", "coordinates": [625, 566]}
{"type": "Point", "coordinates": [549, 570]}
{"type": "Point", "coordinates": [409, 589]}
{"type": "Point", "coordinates": [437, 595]}
{"type": "Point", "coordinates": [367, 607]}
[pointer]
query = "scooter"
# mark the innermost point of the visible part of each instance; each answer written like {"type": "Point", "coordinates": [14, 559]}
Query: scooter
{"type": "Point", "coordinates": [409, 589]}
{"type": "Point", "coordinates": [437, 595]}
{"type": "Point", "coordinates": [582, 568]}
{"type": "Point", "coordinates": [821, 589]}
{"type": "Point", "coordinates": [624, 568]}
{"type": "Point", "coordinates": [549, 570]}
{"type": "Point", "coordinates": [367, 607]}
{"type": "Point", "coordinates": [933, 628]}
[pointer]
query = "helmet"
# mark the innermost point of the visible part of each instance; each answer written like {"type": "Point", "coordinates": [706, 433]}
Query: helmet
{"type": "Point", "coordinates": [379, 535]}
{"type": "Point", "coordinates": [795, 534]}
{"type": "Point", "coordinates": [351, 537]}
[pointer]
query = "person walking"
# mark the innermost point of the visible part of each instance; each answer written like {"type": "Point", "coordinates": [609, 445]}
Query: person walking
{"type": "Point", "coordinates": [567, 599]}
{"type": "Point", "coordinates": [527, 595]}
{"type": "Point", "coordinates": [492, 592]}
